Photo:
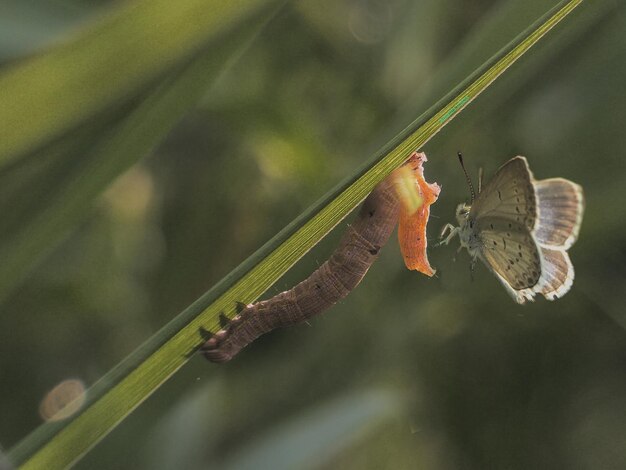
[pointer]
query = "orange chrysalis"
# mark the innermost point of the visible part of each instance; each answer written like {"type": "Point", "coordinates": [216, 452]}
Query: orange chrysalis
{"type": "Point", "coordinates": [416, 197]}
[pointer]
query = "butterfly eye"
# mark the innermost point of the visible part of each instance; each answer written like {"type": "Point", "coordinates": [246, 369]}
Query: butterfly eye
{"type": "Point", "coordinates": [462, 210]}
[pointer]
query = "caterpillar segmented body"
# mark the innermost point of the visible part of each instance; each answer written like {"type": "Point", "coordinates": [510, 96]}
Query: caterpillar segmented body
{"type": "Point", "coordinates": [332, 281]}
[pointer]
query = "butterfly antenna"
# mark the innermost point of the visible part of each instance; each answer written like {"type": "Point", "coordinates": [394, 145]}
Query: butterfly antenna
{"type": "Point", "coordinates": [480, 179]}
{"type": "Point", "coordinates": [469, 181]}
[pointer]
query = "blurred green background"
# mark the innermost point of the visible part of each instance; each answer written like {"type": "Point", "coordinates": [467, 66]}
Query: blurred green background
{"type": "Point", "coordinates": [407, 372]}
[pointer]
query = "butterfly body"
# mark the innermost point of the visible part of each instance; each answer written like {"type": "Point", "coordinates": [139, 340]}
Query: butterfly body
{"type": "Point", "coordinates": [521, 228]}
{"type": "Point", "coordinates": [467, 236]}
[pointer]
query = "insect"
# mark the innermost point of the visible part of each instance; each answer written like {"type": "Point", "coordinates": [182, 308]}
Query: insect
{"type": "Point", "coordinates": [521, 229]}
{"type": "Point", "coordinates": [342, 272]}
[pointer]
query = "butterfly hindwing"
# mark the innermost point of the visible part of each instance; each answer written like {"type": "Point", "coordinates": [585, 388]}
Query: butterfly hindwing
{"type": "Point", "coordinates": [560, 204]}
{"type": "Point", "coordinates": [509, 195]}
{"type": "Point", "coordinates": [557, 276]}
{"type": "Point", "coordinates": [508, 249]}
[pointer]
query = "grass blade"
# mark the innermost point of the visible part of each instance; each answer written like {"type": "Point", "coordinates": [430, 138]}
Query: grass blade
{"type": "Point", "coordinates": [135, 378]}
{"type": "Point", "coordinates": [125, 51]}
{"type": "Point", "coordinates": [85, 164]}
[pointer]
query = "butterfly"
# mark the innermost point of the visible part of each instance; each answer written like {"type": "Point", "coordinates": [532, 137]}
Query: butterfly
{"type": "Point", "coordinates": [521, 229]}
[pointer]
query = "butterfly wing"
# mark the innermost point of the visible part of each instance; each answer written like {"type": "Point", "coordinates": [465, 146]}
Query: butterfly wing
{"type": "Point", "coordinates": [557, 276]}
{"type": "Point", "coordinates": [503, 217]}
{"type": "Point", "coordinates": [561, 206]}
{"type": "Point", "coordinates": [509, 195]}
{"type": "Point", "coordinates": [509, 250]}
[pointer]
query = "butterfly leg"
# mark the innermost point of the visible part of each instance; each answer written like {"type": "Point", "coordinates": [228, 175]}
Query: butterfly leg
{"type": "Point", "coordinates": [472, 266]}
{"type": "Point", "coordinates": [448, 228]}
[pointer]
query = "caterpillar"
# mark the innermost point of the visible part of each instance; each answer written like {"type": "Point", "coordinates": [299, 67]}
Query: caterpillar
{"type": "Point", "coordinates": [343, 271]}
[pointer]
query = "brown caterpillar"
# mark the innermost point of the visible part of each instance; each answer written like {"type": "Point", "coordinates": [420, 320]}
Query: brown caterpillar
{"type": "Point", "coordinates": [333, 280]}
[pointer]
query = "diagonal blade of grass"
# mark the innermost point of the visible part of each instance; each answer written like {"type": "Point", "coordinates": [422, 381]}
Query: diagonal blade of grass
{"type": "Point", "coordinates": [126, 50]}
{"type": "Point", "coordinates": [135, 378]}
{"type": "Point", "coordinates": [503, 17]}
{"type": "Point", "coordinates": [70, 191]}
{"type": "Point", "coordinates": [495, 27]}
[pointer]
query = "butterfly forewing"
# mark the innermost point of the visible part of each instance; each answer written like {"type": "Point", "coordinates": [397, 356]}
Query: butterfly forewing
{"type": "Point", "coordinates": [509, 249]}
{"type": "Point", "coordinates": [508, 195]}
{"type": "Point", "coordinates": [505, 214]}
{"type": "Point", "coordinates": [560, 205]}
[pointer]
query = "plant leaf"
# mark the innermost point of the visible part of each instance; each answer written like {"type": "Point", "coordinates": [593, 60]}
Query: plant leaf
{"type": "Point", "coordinates": [66, 177]}
{"type": "Point", "coordinates": [134, 379]}
{"type": "Point", "coordinates": [125, 51]}
{"type": "Point", "coordinates": [320, 433]}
